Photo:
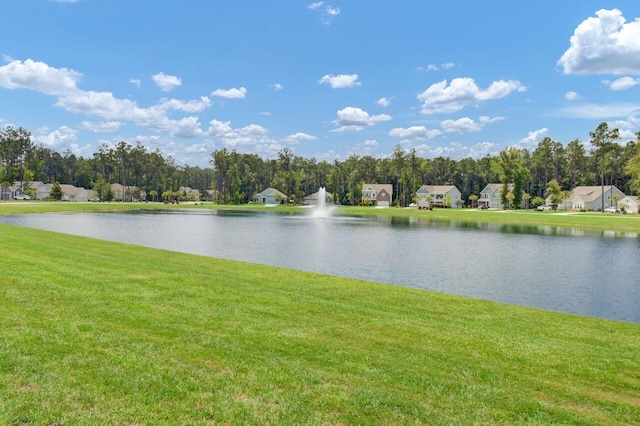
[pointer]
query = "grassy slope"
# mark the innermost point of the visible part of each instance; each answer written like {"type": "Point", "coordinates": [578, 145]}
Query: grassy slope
{"type": "Point", "coordinates": [102, 333]}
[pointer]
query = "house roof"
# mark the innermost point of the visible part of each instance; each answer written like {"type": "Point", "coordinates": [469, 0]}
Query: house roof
{"type": "Point", "coordinates": [592, 193]}
{"type": "Point", "coordinates": [271, 192]}
{"type": "Point", "coordinates": [71, 190]}
{"type": "Point", "coordinates": [632, 198]}
{"type": "Point", "coordinates": [378, 187]}
{"type": "Point", "coordinates": [493, 187]}
{"type": "Point", "coordinates": [438, 189]}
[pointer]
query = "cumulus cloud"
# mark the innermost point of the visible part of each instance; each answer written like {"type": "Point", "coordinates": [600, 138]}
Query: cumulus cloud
{"type": "Point", "coordinates": [462, 125]}
{"type": "Point", "coordinates": [340, 81]}
{"type": "Point", "coordinates": [623, 83]}
{"type": "Point", "coordinates": [414, 132]}
{"type": "Point", "coordinates": [277, 87]}
{"type": "Point", "coordinates": [252, 138]}
{"type": "Point", "coordinates": [136, 82]}
{"type": "Point", "coordinates": [166, 83]}
{"type": "Point", "coordinates": [102, 127]}
{"type": "Point", "coordinates": [191, 106]}
{"type": "Point", "coordinates": [532, 138]}
{"type": "Point", "coordinates": [297, 137]}
{"type": "Point", "coordinates": [61, 83]}
{"type": "Point", "coordinates": [384, 102]}
{"type": "Point", "coordinates": [63, 137]}
{"type": "Point", "coordinates": [443, 98]}
{"type": "Point", "coordinates": [604, 44]}
{"type": "Point", "coordinates": [352, 119]}
{"type": "Point", "coordinates": [232, 93]}
{"type": "Point", "coordinates": [38, 76]}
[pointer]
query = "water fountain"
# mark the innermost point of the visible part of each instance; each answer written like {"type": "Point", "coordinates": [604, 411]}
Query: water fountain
{"type": "Point", "coordinates": [321, 210]}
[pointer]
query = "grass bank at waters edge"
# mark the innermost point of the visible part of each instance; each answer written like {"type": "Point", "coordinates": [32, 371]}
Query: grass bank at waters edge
{"type": "Point", "coordinates": [589, 220]}
{"type": "Point", "coordinates": [95, 332]}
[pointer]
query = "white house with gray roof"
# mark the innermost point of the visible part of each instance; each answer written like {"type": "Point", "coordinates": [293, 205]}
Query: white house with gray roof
{"type": "Point", "coordinates": [590, 198]}
{"type": "Point", "coordinates": [441, 196]}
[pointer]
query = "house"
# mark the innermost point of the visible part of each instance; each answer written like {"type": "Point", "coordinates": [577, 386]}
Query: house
{"type": "Point", "coordinates": [126, 193]}
{"type": "Point", "coordinates": [312, 199]}
{"type": "Point", "coordinates": [590, 198]}
{"type": "Point", "coordinates": [630, 203]}
{"type": "Point", "coordinates": [74, 193]}
{"type": "Point", "coordinates": [209, 194]}
{"type": "Point", "coordinates": [269, 196]}
{"type": "Point", "coordinates": [40, 190]}
{"type": "Point", "coordinates": [10, 192]}
{"type": "Point", "coordinates": [490, 196]}
{"type": "Point", "coordinates": [190, 193]}
{"type": "Point", "coordinates": [378, 194]}
{"type": "Point", "coordinates": [440, 196]}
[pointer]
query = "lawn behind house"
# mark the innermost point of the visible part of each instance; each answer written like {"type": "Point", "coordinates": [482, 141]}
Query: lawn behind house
{"type": "Point", "coordinates": [96, 332]}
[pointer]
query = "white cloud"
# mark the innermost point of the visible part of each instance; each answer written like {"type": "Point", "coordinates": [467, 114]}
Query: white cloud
{"type": "Point", "coordinates": [232, 93]}
{"type": "Point", "coordinates": [605, 44]}
{"type": "Point", "coordinates": [265, 113]}
{"type": "Point", "coordinates": [443, 98]}
{"type": "Point", "coordinates": [384, 102]}
{"type": "Point", "coordinates": [277, 87]}
{"type": "Point", "coordinates": [187, 106]}
{"type": "Point", "coordinates": [252, 138]}
{"type": "Point", "coordinates": [166, 83]}
{"type": "Point", "coordinates": [462, 125]}
{"type": "Point", "coordinates": [60, 138]}
{"type": "Point", "coordinates": [39, 76]}
{"type": "Point", "coordinates": [623, 83]}
{"type": "Point", "coordinates": [414, 132]}
{"type": "Point", "coordinates": [297, 137]}
{"type": "Point", "coordinates": [532, 138]}
{"type": "Point", "coordinates": [600, 112]}
{"type": "Point", "coordinates": [102, 127]}
{"type": "Point", "coordinates": [340, 81]}
{"type": "Point", "coordinates": [571, 96]}
{"type": "Point", "coordinates": [136, 82]}
{"type": "Point", "coordinates": [352, 119]}
{"type": "Point", "coordinates": [326, 11]}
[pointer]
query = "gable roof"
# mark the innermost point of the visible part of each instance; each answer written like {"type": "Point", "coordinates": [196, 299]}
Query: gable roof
{"type": "Point", "coordinates": [378, 187]}
{"type": "Point", "coordinates": [438, 189]}
{"type": "Point", "coordinates": [271, 192]}
{"type": "Point", "coordinates": [592, 193]}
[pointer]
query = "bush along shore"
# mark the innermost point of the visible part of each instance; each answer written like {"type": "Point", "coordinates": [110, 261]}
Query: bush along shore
{"type": "Point", "coordinates": [95, 332]}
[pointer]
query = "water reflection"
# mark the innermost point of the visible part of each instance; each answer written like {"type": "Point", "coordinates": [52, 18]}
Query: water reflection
{"type": "Point", "coordinates": [572, 270]}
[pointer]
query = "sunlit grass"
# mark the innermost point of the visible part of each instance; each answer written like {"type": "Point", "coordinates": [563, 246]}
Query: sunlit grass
{"type": "Point", "coordinates": [94, 332]}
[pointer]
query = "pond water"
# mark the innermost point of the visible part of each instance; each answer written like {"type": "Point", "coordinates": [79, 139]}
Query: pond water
{"type": "Point", "coordinates": [576, 271]}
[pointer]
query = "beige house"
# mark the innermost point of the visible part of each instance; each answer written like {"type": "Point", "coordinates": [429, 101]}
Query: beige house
{"type": "Point", "coordinates": [378, 194]}
{"type": "Point", "coordinates": [74, 193]}
{"type": "Point", "coordinates": [590, 198]}
{"type": "Point", "coordinates": [312, 199]}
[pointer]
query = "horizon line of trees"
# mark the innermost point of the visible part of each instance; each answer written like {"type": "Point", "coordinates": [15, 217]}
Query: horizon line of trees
{"type": "Point", "coordinates": [236, 177]}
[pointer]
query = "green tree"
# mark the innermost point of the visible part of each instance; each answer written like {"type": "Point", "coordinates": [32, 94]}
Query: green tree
{"type": "Point", "coordinates": [103, 189]}
{"type": "Point", "coordinates": [602, 139]}
{"type": "Point", "coordinates": [554, 192]}
{"type": "Point", "coordinates": [526, 197]}
{"type": "Point", "coordinates": [56, 192]}
{"type": "Point", "coordinates": [472, 200]}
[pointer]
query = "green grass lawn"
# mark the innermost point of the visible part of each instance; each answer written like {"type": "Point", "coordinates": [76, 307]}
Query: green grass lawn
{"type": "Point", "coordinates": [94, 332]}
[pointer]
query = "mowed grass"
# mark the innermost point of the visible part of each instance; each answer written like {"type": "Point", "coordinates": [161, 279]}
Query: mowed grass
{"type": "Point", "coordinates": [93, 332]}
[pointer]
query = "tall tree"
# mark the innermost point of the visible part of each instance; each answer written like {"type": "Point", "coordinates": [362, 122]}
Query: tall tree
{"type": "Point", "coordinates": [602, 139]}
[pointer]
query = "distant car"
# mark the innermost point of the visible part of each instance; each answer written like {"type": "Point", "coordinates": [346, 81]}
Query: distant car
{"type": "Point", "coordinates": [543, 208]}
{"type": "Point", "coordinates": [611, 210]}
{"type": "Point", "coordinates": [22, 197]}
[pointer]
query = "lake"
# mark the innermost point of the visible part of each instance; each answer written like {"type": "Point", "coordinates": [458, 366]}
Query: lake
{"type": "Point", "coordinates": [584, 272]}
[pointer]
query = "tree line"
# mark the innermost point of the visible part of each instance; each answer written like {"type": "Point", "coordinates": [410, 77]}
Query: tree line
{"type": "Point", "coordinates": [236, 177]}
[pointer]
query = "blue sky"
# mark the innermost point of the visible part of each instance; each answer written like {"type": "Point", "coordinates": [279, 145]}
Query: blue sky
{"type": "Point", "coordinates": [325, 79]}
